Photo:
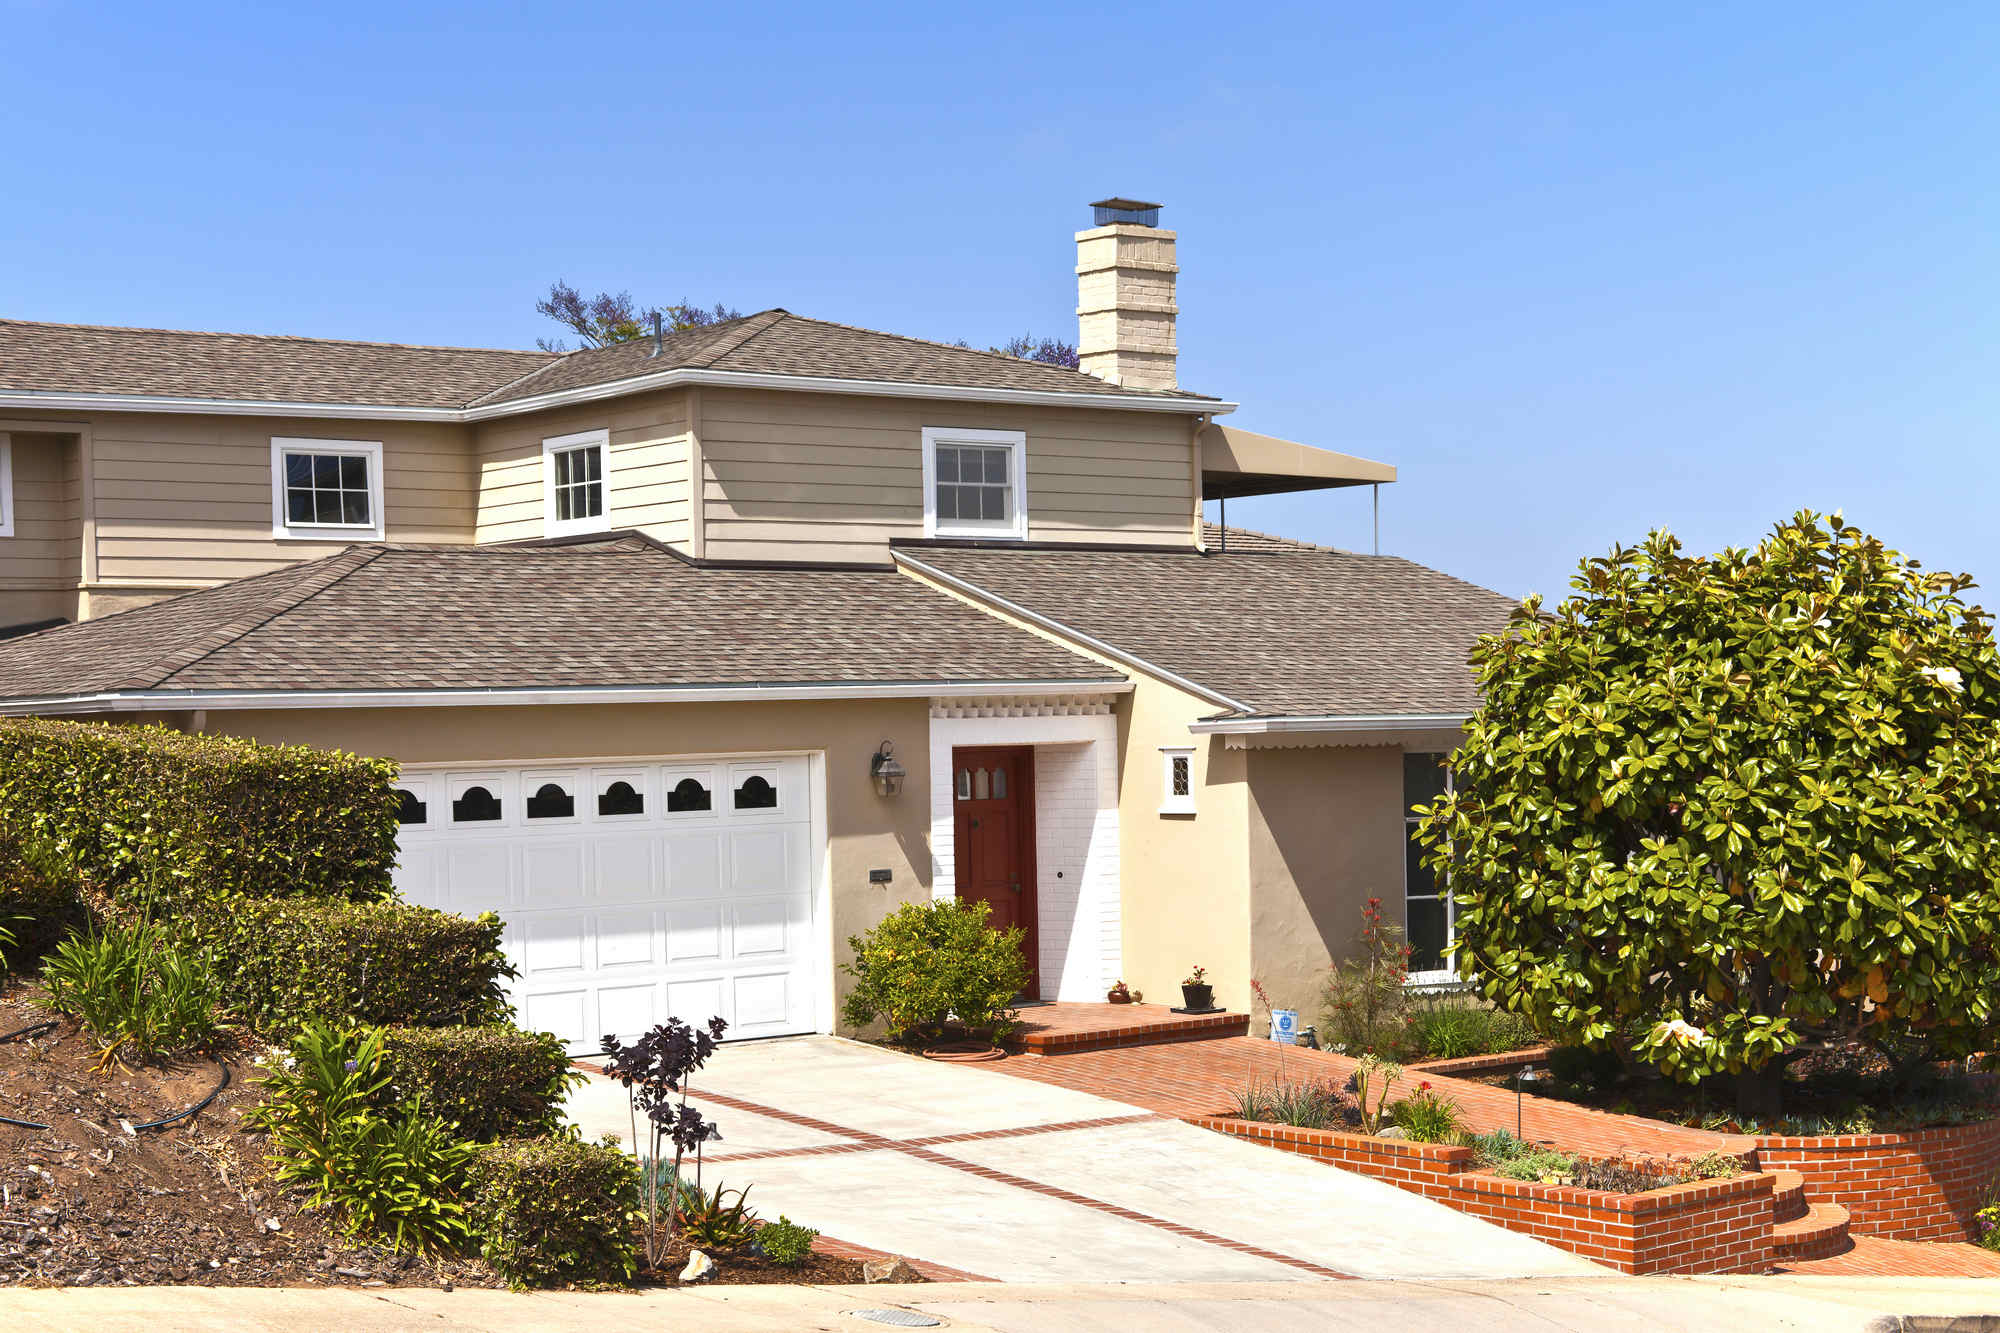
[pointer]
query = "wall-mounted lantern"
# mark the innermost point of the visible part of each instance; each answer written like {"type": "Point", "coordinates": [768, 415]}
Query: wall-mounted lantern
{"type": "Point", "coordinates": [887, 773]}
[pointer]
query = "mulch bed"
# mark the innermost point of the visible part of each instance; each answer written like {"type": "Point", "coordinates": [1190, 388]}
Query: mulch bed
{"type": "Point", "coordinates": [84, 1203]}
{"type": "Point", "coordinates": [742, 1267]}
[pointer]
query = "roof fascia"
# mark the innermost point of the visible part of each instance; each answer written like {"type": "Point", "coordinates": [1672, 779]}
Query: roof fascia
{"type": "Point", "coordinates": [35, 400]}
{"type": "Point", "coordinates": [1258, 726]}
{"type": "Point", "coordinates": [141, 701]}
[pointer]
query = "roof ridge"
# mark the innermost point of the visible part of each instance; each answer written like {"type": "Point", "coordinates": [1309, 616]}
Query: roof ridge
{"type": "Point", "coordinates": [314, 578]}
{"type": "Point", "coordinates": [978, 351]}
{"type": "Point", "coordinates": [275, 337]}
{"type": "Point", "coordinates": [781, 315]}
{"type": "Point", "coordinates": [501, 393]}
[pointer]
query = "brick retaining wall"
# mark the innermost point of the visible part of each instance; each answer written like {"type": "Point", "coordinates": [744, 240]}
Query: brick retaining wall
{"type": "Point", "coordinates": [1718, 1226]}
{"type": "Point", "coordinates": [1924, 1185]}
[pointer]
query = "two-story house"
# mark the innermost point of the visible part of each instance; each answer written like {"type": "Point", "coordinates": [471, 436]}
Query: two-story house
{"type": "Point", "coordinates": [702, 652]}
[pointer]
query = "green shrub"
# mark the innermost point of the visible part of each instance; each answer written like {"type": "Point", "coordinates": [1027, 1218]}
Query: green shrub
{"type": "Point", "coordinates": [1366, 1008]}
{"type": "Point", "coordinates": [1428, 1116]}
{"type": "Point", "coordinates": [1307, 1105]}
{"type": "Point", "coordinates": [38, 906]}
{"type": "Point", "coordinates": [549, 1211]}
{"type": "Point", "coordinates": [1451, 1027]}
{"type": "Point", "coordinates": [393, 1178]}
{"type": "Point", "coordinates": [135, 990]}
{"type": "Point", "coordinates": [927, 963]}
{"type": "Point", "coordinates": [145, 814]}
{"type": "Point", "coordinates": [289, 963]}
{"type": "Point", "coordinates": [491, 1082]}
{"type": "Point", "coordinates": [718, 1219]}
{"type": "Point", "coordinates": [786, 1243]}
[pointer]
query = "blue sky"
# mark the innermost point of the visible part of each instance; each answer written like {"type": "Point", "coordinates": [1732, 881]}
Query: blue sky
{"type": "Point", "coordinates": [1578, 271]}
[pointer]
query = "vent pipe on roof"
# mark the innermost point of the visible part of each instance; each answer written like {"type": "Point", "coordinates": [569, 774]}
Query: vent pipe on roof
{"type": "Point", "coordinates": [656, 335]}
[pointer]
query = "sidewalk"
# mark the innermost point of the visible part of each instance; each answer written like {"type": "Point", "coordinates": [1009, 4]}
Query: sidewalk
{"type": "Point", "coordinates": [1586, 1305]}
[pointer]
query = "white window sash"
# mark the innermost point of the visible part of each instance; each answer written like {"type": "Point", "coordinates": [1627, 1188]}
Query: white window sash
{"type": "Point", "coordinates": [283, 529]}
{"type": "Point", "coordinates": [1448, 974]}
{"type": "Point", "coordinates": [1015, 526]}
{"type": "Point", "coordinates": [6, 484]}
{"type": "Point", "coordinates": [599, 440]}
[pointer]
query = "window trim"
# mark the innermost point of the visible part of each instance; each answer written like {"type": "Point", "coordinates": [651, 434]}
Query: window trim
{"type": "Point", "coordinates": [283, 529]}
{"type": "Point", "coordinates": [1170, 804]}
{"type": "Point", "coordinates": [600, 440]}
{"type": "Point", "coordinates": [6, 484]}
{"type": "Point", "coordinates": [1448, 974]}
{"type": "Point", "coordinates": [1014, 440]}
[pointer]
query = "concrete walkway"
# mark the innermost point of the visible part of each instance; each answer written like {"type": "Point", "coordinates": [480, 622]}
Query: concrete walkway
{"type": "Point", "coordinates": [965, 1167]}
{"type": "Point", "coordinates": [1591, 1305]}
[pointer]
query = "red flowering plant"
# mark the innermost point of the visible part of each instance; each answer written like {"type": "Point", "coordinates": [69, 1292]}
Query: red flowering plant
{"type": "Point", "coordinates": [1364, 1006]}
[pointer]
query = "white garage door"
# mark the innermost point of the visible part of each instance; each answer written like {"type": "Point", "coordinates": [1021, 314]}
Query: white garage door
{"type": "Point", "coordinates": [630, 891]}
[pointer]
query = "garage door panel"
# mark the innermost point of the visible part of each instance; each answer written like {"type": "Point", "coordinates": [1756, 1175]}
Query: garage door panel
{"type": "Point", "coordinates": [694, 933]}
{"type": "Point", "coordinates": [625, 868]}
{"type": "Point", "coordinates": [622, 910]}
{"type": "Point", "coordinates": [551, 871]}
{"type": "Point", "coordinates": [556, 942]}
{"type": "Point", "coordinates": [628, 938]}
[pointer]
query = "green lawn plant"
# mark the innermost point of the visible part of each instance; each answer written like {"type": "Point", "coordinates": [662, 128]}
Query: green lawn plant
{"type": "Point", "coordinates": [931, 963]}
{"type": "Point", "coordinates": [1738, 808]}
{"type": "Point", "coordinates": [135, 990]}
{"type": "Point", "coordinates": [394, 1177]}
{"type": "Point", "coordinates": [786, 1243]}
{"type": "Point", "coordinates": [1428, 1116]}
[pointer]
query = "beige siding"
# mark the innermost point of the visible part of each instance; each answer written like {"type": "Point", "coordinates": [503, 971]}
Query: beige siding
{"type": "Point", "coordinates": [836, 477]}
{"type": "Point", "coordinates": [646, 470]}
{"type": "Point", "coordinates": [186, 500]}
{"type": "Point", "coordinates": [41, 562]}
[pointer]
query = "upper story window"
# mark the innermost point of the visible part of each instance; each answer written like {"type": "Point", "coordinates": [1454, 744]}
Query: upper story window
{"type": "Point", "coordinates": [1176, 780]}
{"type": "Point", "coordinates": [573, 483]}
{"type": "Point", "coordinates": [6, 485]}
{"type": "Point", "coordinates": [975, 483]}
{"type": "Point", "coordinates": [326, 490]}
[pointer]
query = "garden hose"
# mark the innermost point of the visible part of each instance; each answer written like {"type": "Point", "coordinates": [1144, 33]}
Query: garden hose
{"type": "Point", "coordinates": [36, 1029]}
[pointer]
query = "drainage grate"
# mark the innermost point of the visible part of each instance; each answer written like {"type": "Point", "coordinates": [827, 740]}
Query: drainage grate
{"type": "Point", "coordinates": [898, 1318]}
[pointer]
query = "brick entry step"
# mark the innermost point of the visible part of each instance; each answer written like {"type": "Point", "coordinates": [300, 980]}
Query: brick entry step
{"type": "Point", "coordinates": [1068, 1028]}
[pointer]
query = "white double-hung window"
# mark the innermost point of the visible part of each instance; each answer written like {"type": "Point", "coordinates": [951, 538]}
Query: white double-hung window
{"type": "Point", "coordinates": [326, 490]}
{"type": "Point", "coordinates": [573, 483]}
{"type": "Point", "coordinates": [975, 483]}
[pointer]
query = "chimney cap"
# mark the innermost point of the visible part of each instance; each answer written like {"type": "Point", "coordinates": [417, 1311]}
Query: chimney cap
{"type": "Point", "coordinates": [1136, 211]}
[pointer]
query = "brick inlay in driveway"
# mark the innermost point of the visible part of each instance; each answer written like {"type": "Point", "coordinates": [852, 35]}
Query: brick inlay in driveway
{"type": "Point", "coordinates": [924, 1149]}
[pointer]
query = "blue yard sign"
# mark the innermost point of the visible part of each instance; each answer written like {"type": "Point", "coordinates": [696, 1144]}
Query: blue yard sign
{"type": "Point", "coordinates": [1285, 1025]}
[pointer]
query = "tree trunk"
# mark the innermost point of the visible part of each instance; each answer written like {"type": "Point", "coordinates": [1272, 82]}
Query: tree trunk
{"type": "Point", "coordinates": [1760, 1093]}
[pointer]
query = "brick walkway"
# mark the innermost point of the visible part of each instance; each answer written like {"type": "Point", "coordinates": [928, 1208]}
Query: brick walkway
{"type": "Point", "coordinates": [1059, 1026]}
{"type": "Point", "coordinates": [1202, 1078]}
{"type": "Point", "coordinates": [1873, 1257]}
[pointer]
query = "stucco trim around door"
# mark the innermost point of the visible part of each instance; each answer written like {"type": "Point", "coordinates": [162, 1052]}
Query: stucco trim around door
{"type": "Point", "coordinates": [1077, 898]}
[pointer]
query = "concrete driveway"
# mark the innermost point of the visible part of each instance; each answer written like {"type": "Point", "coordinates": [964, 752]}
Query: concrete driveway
{"type": "Point", "coordinates": [1017, 1181]}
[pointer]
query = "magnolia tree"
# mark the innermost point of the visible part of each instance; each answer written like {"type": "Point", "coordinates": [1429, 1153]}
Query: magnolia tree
{"type": "Point", "coordinates": [1732, 809]}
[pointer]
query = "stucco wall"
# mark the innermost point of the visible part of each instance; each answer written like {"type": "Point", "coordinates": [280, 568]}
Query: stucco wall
{"type": "Point", "coordinates": [866, 831]}
{"type": "Point", "coordinates": [1325, 834]}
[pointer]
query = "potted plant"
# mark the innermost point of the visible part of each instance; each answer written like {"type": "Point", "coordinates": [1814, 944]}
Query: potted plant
{"type": "Point", "coordinates": [1196, 994]}
{"type": "Point", "coordinates": [1118, 994]}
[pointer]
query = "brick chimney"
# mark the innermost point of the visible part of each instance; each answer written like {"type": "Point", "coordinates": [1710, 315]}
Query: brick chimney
{"type": "Point", "coordinates": [1125, 296]}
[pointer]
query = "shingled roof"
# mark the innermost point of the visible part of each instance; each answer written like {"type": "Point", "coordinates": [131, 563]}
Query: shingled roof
{"type": "Point", "coordinates": [622, 612]}
{"type": "Point", "coordinates": [168, 363]}
{"type": "Point", "coordinates": [1272, 627]}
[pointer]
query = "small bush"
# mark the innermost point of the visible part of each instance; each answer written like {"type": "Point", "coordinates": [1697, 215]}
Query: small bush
{"type": "Point", "coordinates": [928, 963]}
{"type": "Point", "coordinates": [394, 1178]}
{"type": "Point", "coordinates": [1366, 1007]}
{"type": "Point", "coordinates": [1451, 1027]}
{"type": "Point", "coordinates": [1304, 1105]}
{"type": "Point", "coordinates": [146, 815]}
{"type": "Point", "coordinates": [38, 905]}
{"type": "Point", "coordinates": [490, 1082]}
{"type": "Point", "coordinates": [286, 964]}
{"type": "Point", "coordinates": [135, 990]}
{"type": "Point", "coordinates": [1586, 1066]}
{"type": "Point", "coordinates": [1428, 1117]}
{"type": "Point", "coordinates": [786, 1243]}
{"type": "Point", "coordinates": [551, 1211]}
{"type": "Point", "coordinates": [718, 1219]}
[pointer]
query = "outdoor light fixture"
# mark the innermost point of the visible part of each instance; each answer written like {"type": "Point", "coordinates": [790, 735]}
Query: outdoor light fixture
{"type": "Point", "coordinates": [1521, 1080]}
{"type": "Point", "coordinates": [887, 773]}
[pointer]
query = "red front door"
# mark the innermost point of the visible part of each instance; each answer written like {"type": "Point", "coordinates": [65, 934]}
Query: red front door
{"type": "Point", "coordinates": [994, 830]}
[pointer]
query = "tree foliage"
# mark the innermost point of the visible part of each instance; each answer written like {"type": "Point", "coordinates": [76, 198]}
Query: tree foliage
{"type": "Point", "coordinates": [609, 317]}
{"type": "Point", "coordinates": [1729, 809]}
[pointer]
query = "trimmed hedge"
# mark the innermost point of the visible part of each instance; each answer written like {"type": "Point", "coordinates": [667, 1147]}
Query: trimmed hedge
{"type": "Point", "coordinates": [554, 1211]}
{"type": "Point", "coordinates": [285, 963]}
{"type": "Point", "coordinates": [493, 1082]}
{"type": "Point", "coordinates": [36, 908]}
{"type": "Point", "coordinates": [144, 811]}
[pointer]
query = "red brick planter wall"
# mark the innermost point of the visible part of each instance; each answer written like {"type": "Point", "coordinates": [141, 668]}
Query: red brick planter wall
{"type": "Point", "coordinates": [1924, 1185]}
{"type": "Point", "coordinates": [1721, 1226]}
